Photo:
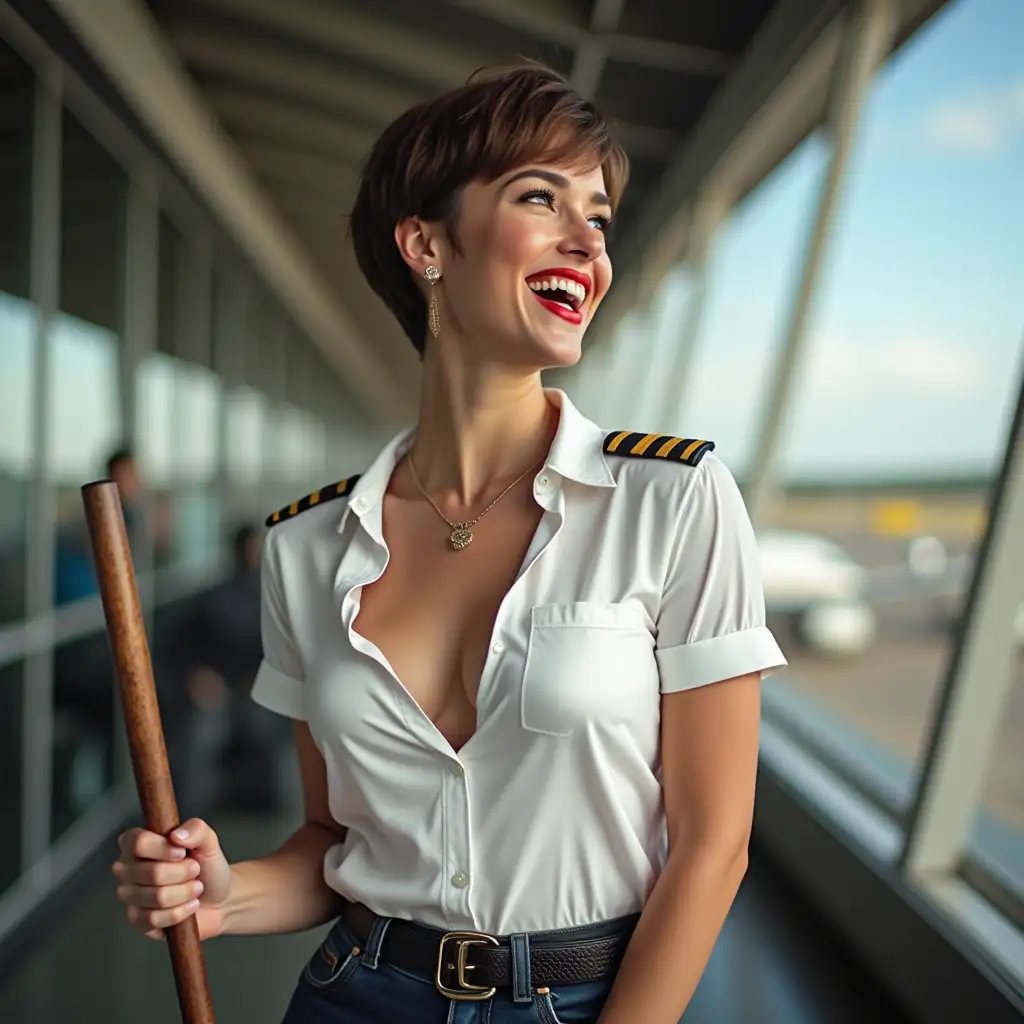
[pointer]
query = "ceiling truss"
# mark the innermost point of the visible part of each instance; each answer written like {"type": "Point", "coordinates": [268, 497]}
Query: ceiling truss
{"type": "Point", "coordinates": [300, 90]}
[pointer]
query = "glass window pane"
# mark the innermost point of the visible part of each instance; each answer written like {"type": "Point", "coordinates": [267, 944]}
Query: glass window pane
{"type": "Point", "coordinates": [265, 351]}
{"type": "Point", "coordinates": [155, 430]}
{"type": "Point", "coordinates": [84, 710]}
{"type": "Point", "coordinates": [169, 285]}
{"type": "Point", "coordinates": [227, 325]}
{"type": "Point", "coordinates": [17, 322]}
{"type": "Point", "coordinates": [83, 408]}
{"type": "Point", "coordinates": [300, 447]}
{"type": "Point", "coordinates": [83, 404]}
{"type": "Point", "coordinates": [287, 444]}
{"type": "Point", "coordinates": [82, 400]}
{"type": "Point", "coordinates": [85, 429]}
{"type": "Point", "coordinates": [195, 528]}
{"type": "Point", "coordinates": [177, 434]}
{"type": "Point", "coordinates": [316, 449]}
{"type": "Point", "coordinates": [903, 405]}
{"type": "Point", "coordinates": [196, 515]}
{"type": "Point", "coordinates": [155, 385]}
{"type": "Point", "coordinates": [196, 420]}
{"type": "Point", "coordinates": [11, 731]}
{"type": "Point", "coordinates": [93, 194]}
{"type": "Point", "coordinates": [246, 417]}
{"type": "Point", "coordinates": [750, 281]}
{"type": "Point", "coordinates": [672, 315]}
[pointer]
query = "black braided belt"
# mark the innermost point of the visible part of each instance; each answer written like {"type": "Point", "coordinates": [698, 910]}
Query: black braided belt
{"type": "Point", "coordinates": [472, 965]}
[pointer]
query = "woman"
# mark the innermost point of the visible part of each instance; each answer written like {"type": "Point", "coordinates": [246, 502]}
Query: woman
{"type": "Point", "coordinates": [524, 799]}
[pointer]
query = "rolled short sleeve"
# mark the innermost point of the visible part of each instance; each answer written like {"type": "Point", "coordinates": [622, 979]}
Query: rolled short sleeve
{"type": "Point", "coordinates": [711, 625]}
{"type": "Point", "coordinates": [280, 677]}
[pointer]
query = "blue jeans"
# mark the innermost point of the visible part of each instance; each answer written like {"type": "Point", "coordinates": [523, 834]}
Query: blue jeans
{"type": "Point", "coordinates": [339, 987]}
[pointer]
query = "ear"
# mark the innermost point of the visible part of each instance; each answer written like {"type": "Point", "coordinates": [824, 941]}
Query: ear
{"type": "Point", "coordinates": [420, 243]}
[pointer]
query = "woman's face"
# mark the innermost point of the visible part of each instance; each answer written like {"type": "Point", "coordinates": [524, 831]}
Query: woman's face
{"type": "Point", "coordinates": [533, 266]}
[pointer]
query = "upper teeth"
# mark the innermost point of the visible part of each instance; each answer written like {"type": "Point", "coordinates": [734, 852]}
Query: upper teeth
{"type": "Point", "coordinates": [556, 283]}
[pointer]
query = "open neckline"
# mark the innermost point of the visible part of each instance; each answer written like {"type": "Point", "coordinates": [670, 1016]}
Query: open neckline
{"type": "Point", "coordinates": [538, 544]}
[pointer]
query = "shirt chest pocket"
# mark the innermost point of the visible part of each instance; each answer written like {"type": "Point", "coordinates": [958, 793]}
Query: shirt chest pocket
{"type": "Point", "coordinates": [586, 663]}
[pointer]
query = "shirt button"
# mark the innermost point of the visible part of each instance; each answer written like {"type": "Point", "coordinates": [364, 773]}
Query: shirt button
{"type": "Point", "coordinates": [460, 879]}
{"type": "Point", "coordinates": [458, 771]}
{"type": "Point", "coordinates": [498, 647]}
{"type": "Point", "coordinates": [359, 504]}
{"type": "Point", "coordinates": [542, 482]}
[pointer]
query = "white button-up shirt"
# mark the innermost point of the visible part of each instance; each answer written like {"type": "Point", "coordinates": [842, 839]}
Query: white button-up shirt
{"type": "Point", "coordinates": [641, 579]}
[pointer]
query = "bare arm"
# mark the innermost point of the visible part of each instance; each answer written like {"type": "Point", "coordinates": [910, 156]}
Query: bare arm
{"type": "Point", "coordinates": [709, 768]}
{"type": "Point", "coordinates": [286, 891]}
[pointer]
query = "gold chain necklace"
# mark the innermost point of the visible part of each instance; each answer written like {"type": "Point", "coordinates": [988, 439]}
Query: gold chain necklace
{"type": "Point", "coordinates": [462, 535]}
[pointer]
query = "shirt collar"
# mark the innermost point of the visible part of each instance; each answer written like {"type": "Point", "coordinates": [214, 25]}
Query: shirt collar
{"type": "Point", "coordinates": [369, 489]}
{"type": "Point", "coordinates": [577, 453]}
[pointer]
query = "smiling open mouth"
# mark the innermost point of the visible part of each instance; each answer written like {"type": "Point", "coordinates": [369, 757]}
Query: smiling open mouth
{"type": "Point", "coordinates": [561, 292]}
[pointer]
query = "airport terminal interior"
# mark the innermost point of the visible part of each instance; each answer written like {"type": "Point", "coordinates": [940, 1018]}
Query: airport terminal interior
{"type": "Point", "coordinates": [818, 265]}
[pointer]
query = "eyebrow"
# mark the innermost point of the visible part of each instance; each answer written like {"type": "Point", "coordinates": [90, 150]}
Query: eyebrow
{"type": "Point", "coordinates": [559, 180]}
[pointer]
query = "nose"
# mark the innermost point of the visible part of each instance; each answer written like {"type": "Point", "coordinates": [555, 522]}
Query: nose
{"type": "Point", "coordinates": [583, 240]}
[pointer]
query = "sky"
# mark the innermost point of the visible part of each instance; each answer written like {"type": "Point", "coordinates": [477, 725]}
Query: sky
{"type": "Point", "coordinates": [915, 344]}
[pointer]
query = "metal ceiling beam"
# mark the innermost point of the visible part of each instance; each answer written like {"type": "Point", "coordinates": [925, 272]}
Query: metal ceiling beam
{"type": "Point", "coordinates": [325, 177]}
{"type": "Point", "coordinates": [316, 81]}
{"type": "Point", "coordinates": [537, 20]}
{"type": "Point", "coordinates": [250, 114]}
{"type": "Point", "coordinates": [332, 27]}
{"type": "Point", "coordinates": [867, 41]}
{"type": "Point", "coordinates": [793, 45]}
{"type": "Point", "coordinates": [326, 86]}
{"type": "Point", "coordinates": [552, 23]}
{"type": "Point", "coordinates": [666, 55]}
{"type": "Point", "coordinates": [592, 51]}
{"type": "Point", "coordinates": [327, 238]}
{"type": "Point", "coordinates": [127, 43]}
{"type": "Point", "coordinates": [773, 99]}
{"type": "Point", "coordinates": [645, 142]}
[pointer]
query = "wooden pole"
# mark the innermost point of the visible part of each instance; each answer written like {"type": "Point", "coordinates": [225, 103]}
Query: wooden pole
{"type": "Point", "coordinates": [127, 633]}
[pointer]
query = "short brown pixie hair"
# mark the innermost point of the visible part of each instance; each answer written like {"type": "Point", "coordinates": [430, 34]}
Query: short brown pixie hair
{"type": "Point", "coordinates": [502, 118]}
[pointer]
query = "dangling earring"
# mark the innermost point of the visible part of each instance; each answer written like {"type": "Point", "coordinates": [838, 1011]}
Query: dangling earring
{"type": "Point", "coordinates": [433, 275]}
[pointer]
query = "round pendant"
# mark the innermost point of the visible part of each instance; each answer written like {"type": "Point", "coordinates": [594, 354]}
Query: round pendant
{"type": "Point", "coordinates": [461, 537]}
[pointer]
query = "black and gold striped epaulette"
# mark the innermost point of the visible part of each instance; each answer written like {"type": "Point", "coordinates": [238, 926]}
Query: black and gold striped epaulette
{"type": "Point", "coordinates": [338, 490]}
{"type": "Point", "coordinates": [657, 446]}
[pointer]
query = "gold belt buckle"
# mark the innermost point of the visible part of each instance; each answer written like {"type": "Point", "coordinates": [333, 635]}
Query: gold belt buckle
{"type": "Point", "coordinates": [466, 991]}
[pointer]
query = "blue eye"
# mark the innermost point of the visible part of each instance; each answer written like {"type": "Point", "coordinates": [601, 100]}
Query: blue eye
{"type": "Point", "coordinates": [547, 197]}
{"type": "Point", "coordinates": [544, 194]}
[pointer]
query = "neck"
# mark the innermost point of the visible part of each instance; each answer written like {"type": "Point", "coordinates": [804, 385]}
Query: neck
{"type": "Point", "coordinates": [479, 425]}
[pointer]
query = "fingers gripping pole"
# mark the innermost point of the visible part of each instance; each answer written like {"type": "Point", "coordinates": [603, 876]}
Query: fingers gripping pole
{"type": "Point", "coordinates": [127, 633]}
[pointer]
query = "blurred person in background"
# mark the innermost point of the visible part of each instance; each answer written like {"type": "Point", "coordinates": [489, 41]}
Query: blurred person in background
{"type": "Point", "coordinates": [74, 575]}
{"type": "Point", "coordinates": [236, 740]}
{"type": "Point", "coordinates": [147, 515]}
{"type": "Point", "coordinates": [122, 469]}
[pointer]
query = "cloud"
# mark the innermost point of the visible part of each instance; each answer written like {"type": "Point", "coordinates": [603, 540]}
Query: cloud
{"type": "Point", "coordinates": [915, 366]}
{"type": "Point", "coordinates": [841, 370]}
{"type": "Point", "coordinates": [862, 404]}
{"type": "Point", "coordinates": [978, 125]}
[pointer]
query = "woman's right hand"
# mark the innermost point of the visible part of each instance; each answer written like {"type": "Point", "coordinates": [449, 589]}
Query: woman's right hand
{"type": "Point", "coordinates": [163, 881]}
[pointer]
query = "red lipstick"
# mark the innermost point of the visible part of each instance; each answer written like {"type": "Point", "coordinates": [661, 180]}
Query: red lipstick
{"type": "Point", "coordinates": [572, 313]}
{"type": "Point", "coordinates": [574, 316]}
{"type": "Point", "coordinates": [568, 274]}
